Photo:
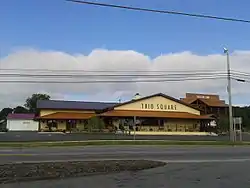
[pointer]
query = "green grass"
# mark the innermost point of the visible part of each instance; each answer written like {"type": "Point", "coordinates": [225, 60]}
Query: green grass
{"type": "Point", "coordinates": [119, 142]}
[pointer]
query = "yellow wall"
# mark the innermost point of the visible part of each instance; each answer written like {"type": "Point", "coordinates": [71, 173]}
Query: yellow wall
{"type": "Point", "coordinates": [170, 125]}
{"type": "Point", "coordinates": [47, 112]}
{"type": "Point", "coordinates": [61, 125]}
{"type": "Point", "coordinates": [175, 126]}
{"type": "Point", "coordinates": [158, 103]}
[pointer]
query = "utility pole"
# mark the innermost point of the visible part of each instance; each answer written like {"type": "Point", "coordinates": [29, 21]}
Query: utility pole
{"type": "Point", "coordinates": [231, 126]}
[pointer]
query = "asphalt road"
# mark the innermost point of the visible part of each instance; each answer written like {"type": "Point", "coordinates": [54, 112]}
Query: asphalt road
{"type": "Point", "coordinates": [189, 167]}
{"type": "Point", "coordinates": [34, 136]}
{"type": "Point", "coordinates": [184, 175]}
{"type": "Point", "coordinates": [166, 153]}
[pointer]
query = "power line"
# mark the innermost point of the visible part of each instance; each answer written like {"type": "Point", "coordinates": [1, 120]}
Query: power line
{"type": "Point", "coordinates": [170, 75]}
{"type": "Point", "coordinates": [118, 71]}
{"type": "Point", "coordinates": [72, 78]}
{"type": "Point", "coordinates": [94, 78]}
{"type": "Point", "coordinates": [112, 75]}
{"type": "Point", "coordinates": [106, 71]}
{"type": "Point", "coordinates": [111, 81]}
{"type": "Point", "coordinates": [163, 79]}
{"type": "Point", "coordinates": [159, 11]}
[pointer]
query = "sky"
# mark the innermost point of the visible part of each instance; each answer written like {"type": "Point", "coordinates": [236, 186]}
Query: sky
{"type": "Point", "coordinates": [55, 34]}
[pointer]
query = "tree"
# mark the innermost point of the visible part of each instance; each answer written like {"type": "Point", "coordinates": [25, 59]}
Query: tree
{"type": "Point", "coordinates": [4, 112]}
{"type": "Point", "coordinates": [95, 123]}
{"type": "Point", "coordinates": [3, 115]}
{"type": "Point", "coordinates": [20, 110]}
{"type": "Point", "coordinates": [243, 112]}
{"type": "Point", "coordinates": [31, 102]}
{"type": "Point", "coordinates": [223, 124]}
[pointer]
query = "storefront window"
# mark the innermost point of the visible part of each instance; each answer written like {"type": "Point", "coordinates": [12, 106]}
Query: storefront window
{"type": "Point", "coordinates": [150, 122]}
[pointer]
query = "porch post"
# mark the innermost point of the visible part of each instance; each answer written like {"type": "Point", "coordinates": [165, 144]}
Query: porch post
{"type": "Point", "coordinates": [39, 125]}
{"type": "Point", "coordinates": [134, 126]}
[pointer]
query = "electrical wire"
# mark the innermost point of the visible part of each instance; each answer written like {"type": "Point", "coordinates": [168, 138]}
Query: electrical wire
{"type": "Point", "coordinates": [86, 77]}
{"type": "Point", "coordinates": [103, 71]}
{"type": "Point", "coordinates": [170, 75]}
{"type": "Point", "coordinates": [119, 71]}
{"type": "Point", "coordinates": [110, 81]}
{"type": "Point", "coordinates": [110, 75]}
{"type": "Point", "coordinates": [159, 11]}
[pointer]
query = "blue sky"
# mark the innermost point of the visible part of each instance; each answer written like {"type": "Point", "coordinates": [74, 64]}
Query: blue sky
{"type": "Point", "coordinates": [75, 28]}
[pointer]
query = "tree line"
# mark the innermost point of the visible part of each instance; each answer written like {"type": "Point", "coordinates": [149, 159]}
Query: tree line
{"type": "Point", "coordinates": [243, 112]}
{"type": "Point", "coordinates": [28, 107]}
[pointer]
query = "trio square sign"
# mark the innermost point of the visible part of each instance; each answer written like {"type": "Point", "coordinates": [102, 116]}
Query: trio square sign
{"type": "Point", "coordinates": [152, 106]}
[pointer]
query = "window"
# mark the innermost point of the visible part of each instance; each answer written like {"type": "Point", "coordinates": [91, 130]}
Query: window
{"type": "Point", "coordinates": [54, 125]}
{"type": "Point", "coordinates": [150, 121]}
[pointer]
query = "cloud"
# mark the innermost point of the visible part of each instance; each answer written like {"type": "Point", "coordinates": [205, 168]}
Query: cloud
{"type": "Point", "coordinates": [12, 94]}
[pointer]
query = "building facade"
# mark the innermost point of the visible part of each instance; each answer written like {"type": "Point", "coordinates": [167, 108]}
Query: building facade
{"type": "Point", "coordinates": [207, 104]}
{"type": "Point", "coordinates": [157, 112]}
{"type": "Point", "coordinates": [22, 122]}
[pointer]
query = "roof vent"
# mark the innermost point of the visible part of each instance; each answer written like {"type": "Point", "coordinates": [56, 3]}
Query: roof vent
{"type": "Point", "coordinates": [136, 96]}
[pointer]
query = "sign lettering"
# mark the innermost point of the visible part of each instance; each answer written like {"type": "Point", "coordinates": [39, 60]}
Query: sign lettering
{"type": "Point", "coordinates": [148, 106]}
{"type": "Point", "coordinates": [203, 97]}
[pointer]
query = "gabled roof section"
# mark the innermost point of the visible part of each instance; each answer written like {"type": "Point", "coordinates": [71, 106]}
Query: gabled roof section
{"type": "Point", "coordinates": [155, 95]}
{"type": "Point", "coordinates": [72, 105]}
{"type": "Point", "coordinates": [211, 103]}
{"type": "Point", "coordinates": [211, 100]}
{"type": "Point", "coordinates": [188, 101]}
{"type": "Point", "coordinates": [219, 103]}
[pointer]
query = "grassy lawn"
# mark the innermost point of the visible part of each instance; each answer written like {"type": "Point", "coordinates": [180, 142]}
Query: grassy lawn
{"type": "Point", "coordinates": [118, 142]}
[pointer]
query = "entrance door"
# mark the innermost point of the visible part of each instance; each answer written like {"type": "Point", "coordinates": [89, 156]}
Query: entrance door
{"type": "Point", "coordinates": [161, 124]}
{"type": "Point", "coordinates": [70, 124]}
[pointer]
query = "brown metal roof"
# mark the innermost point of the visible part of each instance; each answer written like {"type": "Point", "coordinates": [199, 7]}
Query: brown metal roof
{"type": "Point", "coordinates": [212, 100]}
{"type": "Point", "coordinates": [73, 105]}
{"type": "Point", "coordinates": [214, 103]}
{"type": "Point", "coordinates": [156, 114]}
{"type": "Point", "coordinates": [68, 115]}
{"type": "Point", "coordinates": [188, 100]}
{"type": "Point", "coordinates": [209, 102]}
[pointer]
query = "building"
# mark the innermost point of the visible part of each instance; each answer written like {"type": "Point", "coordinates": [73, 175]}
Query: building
{"type": "Point", "coordinates": [22, 122]}
{"type": "Point", "coordinates": [158, 112]}
{"type": "Point", "coordinates": [207, 104]}
{"type": "Point", "coordinates": [67, 115]}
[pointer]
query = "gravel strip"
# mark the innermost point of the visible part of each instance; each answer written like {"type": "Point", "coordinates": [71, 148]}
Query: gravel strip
{"type": "Point", "coordinates": [10, 173]}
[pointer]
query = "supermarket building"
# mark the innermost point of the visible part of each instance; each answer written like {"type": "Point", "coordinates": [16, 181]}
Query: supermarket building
{"type": "Point", "coordinates": [154, 113]}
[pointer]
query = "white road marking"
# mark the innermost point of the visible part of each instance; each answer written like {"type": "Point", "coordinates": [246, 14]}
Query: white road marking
{"type": "Point", "coordinates": [6, 150]}
{"type": "Point", "coordinates": [166, 161]}
{"type": "Point", "coordinates": [205, 161]}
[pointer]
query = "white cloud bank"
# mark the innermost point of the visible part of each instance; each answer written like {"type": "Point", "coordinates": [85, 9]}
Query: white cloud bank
{"type": "Point", "coordinates": [12, 94]}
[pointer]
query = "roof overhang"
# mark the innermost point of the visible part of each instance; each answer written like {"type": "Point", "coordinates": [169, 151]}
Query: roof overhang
{"type": "Point", "coordinates": [67, 116]}
{"type": "Point", "coordinates": [154, 114]}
